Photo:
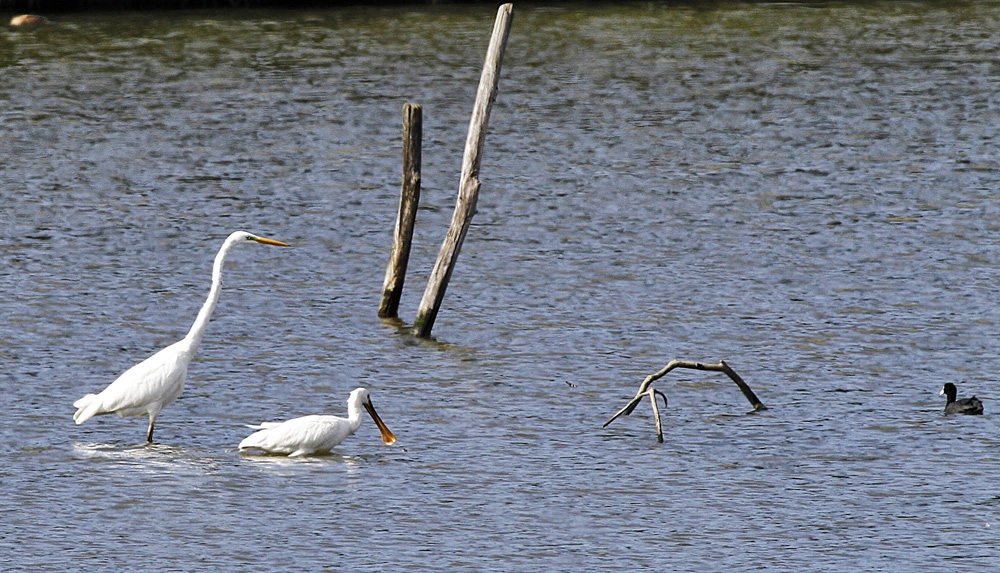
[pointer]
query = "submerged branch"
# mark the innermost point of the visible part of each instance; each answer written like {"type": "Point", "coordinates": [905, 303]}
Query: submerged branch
{"type": "Point", "coordinates": [645, 389]}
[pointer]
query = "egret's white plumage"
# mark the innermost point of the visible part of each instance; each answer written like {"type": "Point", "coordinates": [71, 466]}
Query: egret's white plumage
{"type": "Point", "coordinates": [315, 434]}
{"type": "Point", "coordinates": [158, 380]}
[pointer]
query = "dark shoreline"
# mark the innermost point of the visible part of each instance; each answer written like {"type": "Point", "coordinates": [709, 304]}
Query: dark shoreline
{"type": "Point", "coordinates": [43, 7]}
{"type": "Point", "coordinates": [52, 6]}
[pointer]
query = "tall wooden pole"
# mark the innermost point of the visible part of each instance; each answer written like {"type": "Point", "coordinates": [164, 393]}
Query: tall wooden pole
{"type": "Point", "coordinates": [409, 200]}
{"type": "Point", "coordinates": [468, 189]}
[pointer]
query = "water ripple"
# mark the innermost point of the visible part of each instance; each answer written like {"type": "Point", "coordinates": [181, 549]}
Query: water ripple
{"type": "Point", "coordinates": [807, 191]}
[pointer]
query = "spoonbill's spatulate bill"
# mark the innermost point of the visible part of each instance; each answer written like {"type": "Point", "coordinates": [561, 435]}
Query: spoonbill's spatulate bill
{"type": "Point", "coordinates": [147, 387]}
{"type": "Point", "coordinates": [315, 434]}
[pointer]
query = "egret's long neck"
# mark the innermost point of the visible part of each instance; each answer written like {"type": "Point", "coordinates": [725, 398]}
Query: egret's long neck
{"type": "Point", "coordinates": [201, 323]}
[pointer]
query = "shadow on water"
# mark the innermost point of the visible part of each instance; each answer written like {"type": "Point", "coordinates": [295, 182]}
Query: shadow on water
{"type": "Point", "coordinates": [191, 463]}
{"type": "Point", "coordinates": [134, 451]}
{"type": "Point", "coordinates": [266, 461]}
{"type": "Point", "coordinates": [152, 457]}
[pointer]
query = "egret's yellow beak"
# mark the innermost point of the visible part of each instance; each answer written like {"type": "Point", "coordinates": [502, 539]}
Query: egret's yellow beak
{"type": "Point", "coordinates": [264, 241]}
{"type": "Point", "coordinates": [387, 436]}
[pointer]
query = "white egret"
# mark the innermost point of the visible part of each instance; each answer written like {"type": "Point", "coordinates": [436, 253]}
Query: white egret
{"type": "Point", "coordinates": [314, 434]}
{"type": "Point", "coordinates": [158, 380]}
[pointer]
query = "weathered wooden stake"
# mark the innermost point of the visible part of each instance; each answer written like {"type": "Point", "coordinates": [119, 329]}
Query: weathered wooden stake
{"type": "Point", "coordinates": [646, 390]}
{"type": "Point", "coordinates": [468, 189]}
{"type": "Point", "coordinates": [409, 200]}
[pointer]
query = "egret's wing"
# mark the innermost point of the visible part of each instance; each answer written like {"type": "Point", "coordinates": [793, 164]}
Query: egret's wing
{"type": "Point", "coordinates": [150, 384]}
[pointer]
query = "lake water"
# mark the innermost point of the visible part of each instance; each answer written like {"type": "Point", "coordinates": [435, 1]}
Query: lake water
{"type": "Point", "coordinates": [810, 192]}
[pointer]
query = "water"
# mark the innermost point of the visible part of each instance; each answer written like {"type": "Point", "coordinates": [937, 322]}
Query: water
{"type": "Point", "coordinates": [809, 192]}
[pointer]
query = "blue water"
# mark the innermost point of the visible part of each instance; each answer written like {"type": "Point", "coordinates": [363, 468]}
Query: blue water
{"type": "Point", "coordinates": [809, 192]}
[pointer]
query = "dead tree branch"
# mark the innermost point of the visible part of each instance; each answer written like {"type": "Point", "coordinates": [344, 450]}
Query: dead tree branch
{"type": "Point", "coordinates": [646, 390]}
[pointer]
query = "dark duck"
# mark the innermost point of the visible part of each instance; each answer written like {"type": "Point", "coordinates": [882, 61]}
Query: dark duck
{"type": "Point", "coordinates": [963, 406]}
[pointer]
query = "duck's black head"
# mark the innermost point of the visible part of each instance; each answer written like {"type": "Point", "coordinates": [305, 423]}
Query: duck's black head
{"type": "Point", "coordinates": [950, 391]}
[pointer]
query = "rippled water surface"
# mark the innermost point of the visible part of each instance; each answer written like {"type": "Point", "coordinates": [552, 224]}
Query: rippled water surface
{"type": "Point", "coordinates": [810, 192]}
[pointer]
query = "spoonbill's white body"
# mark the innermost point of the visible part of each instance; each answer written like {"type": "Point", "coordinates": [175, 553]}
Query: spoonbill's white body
{"type": "Point", "coordinates": [316, 434]}
{"type": "Point", "coordinates": [147, 387]}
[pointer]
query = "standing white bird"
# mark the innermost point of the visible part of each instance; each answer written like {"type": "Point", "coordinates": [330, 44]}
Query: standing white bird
{"type": "Point", "coordinates": [315, 434]}
{"type": "Point", "coordinates": [158, 380]}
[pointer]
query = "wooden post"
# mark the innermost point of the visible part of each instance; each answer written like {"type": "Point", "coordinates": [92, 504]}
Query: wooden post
{"type": "Point", "coordinates": [409, 200]}
{"type": "Point", "coordinates": [468, 189]}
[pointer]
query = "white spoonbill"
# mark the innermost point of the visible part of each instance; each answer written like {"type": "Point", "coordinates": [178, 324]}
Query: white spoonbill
{"type": "Point", "coordinates": [315, 434]}
{"type": "Point", "coordinates": [158, 380]}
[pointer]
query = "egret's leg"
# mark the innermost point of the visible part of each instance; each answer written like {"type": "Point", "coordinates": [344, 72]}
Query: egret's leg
{"type": "Point", "coordinates": [149, 432]}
